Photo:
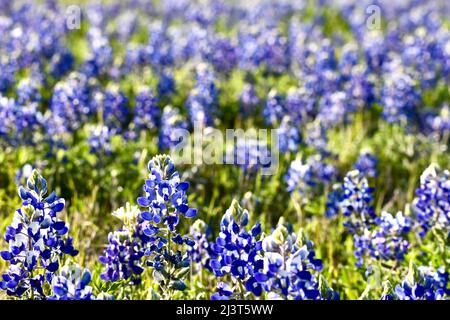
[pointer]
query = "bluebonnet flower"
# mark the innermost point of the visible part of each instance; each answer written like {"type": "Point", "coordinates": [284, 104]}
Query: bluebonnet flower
{"type": "Point", "coordinates": [123, 255]}
{"type": "Point", "coordinates": [432, 203]}
{"type": "Point", "coordinates": [356, 204]}
{"type": "Point", "coordinates": [318, 66]}
{"type": "Point", "coordinates": [224, 292]}
{"type": "Point", "coordinates": [421, 283]}
{"type": "Point", "coordinates": [71, 283]}
{"type": "Point", "coordinates": [274, 108]}
{"type": "Point", "coordinates": [165, 195]}
{"type": "Point", "coordinates": [289, 136]}
{"type": "Point", "coordinates": [328, 79]}
{"type": "Point", "coordinates": [159, 48]}
{"type": "Point", "coordinates": [112, 104]}
{"type": "Point", "coordinates": [202, 100]}
{"type": "Point", "coordinates": [384, 241]}
{"type": "Point", "coordinates": [264, 46]}
{"type": "Point", "coordinates": [7, 107]}
{"type": "Point", "coordinates": [299, 177]}
{"type": "Point", "coordinates": [165, 201]}
{"type": "Point", "coordinates": [316, 137]}
{"type": "Point", "coordinates": [202, 251]}
{"type": "Point", "coordinates": [375, 51]}
{"type": "Point", "coordinates": [28, 91]}
{"type": "Point", "coordinates": [388, 239]}
{"type": "Point", "coordinates": [333, 203]}
{"type": "Point", "coordinates": [349, 59]}
{"type": "Point", "coordinates": [291, 269]}
{"type": "Point", "coordinates": [238, 255]}
{"type": "Point", "coordinates": [300, 104]}
{"type": "Point", "coordinates": [37, 241]}
{"type": "Point", "coordinates": [305, 176]}
{"type": "Point", "coordinates": [166, 84]}
{"type": "Point", "coordinates": [146, 110]}
{"type": "Point", "coordinates": [251, 154]}
{"type": "Point", "coordinates": [221, 53]}
{"type": "Point", "coordinates": [439, 123]}
{"type": "Point", "coordinates": [69, 105]}
{"type": "Point", "coordinates": [100, 61]}
{"type": "Point", "coordinates": [203, 15]}
{"type": "Point", "coordinates": [128, 22]}
{"type": "Point", "coordinates": [422, 54]}
{"type": "Point", "coordinates": [366, 164]}
{"type": "Point", "coordinates": [399, 96]}
{"type": "Point", "coordinates": [359, 89]}
{"type": "Point", "coordinates": [61, 63]}
{"type": "Point", "coordinates": [375, 237]}
{"type": "Point", "coordinates": [99, 140]}
{"type": "Point", "coordinates": [333, 109]}
{"type": "Point", "coordinates": [248, 99]}
{"type": "Point", "coordinates": [19, 123]}
{"type": "Point", "coordinates": [250, 53]}
{"type": "Point", "coordinates": [135, 58]}
{"type": "Point", "coordinates": [7, 76]}
{"type": "Point", "coordinates": [171, 120]}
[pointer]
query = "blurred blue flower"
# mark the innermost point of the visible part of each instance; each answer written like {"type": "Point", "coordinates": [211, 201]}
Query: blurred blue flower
{"type": "Point", "coordinates": [432, 203]}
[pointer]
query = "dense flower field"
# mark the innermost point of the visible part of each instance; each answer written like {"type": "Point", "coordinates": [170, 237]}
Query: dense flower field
{"type": "Point", "coordinates": [94, 204]}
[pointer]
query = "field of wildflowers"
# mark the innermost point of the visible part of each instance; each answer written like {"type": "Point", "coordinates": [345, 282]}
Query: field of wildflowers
{"type": "Point", "coordinates": [96, 98]}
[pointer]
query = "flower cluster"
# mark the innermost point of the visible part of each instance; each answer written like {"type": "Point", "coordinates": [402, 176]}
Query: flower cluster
{"type": "Point", "coordinates": [99, 140]}
{"type": "Point", "coordinates": [123, 255]}
{"type": "Point", "coordinates": [202, 100]}
{"type": "Point", "coordinates": [309, 175]}
{"type": "Point", "coordinates": [202, 251]}
{"type": "Point", "coordinates": [238, 255]}
{"type": "Point", "coordinates": [421, 283]}
{"type": "Point", "coordinates": [251, 154]}
{"type": "Point", "coordinates": [171, 120]}
{"type": "Point", "coordinates": [291, 269]}
{"type": "Point", "coordinates": [375, 237]}
{"type": "Point", "coordinates": [18, 122]}
{"type": "Point", "coordinates": [274, 109]}
{"type": "Point", "coordinates": [146, 110]}
{"type": "Point", "coordinates": [248, 100]}
{"type": "Point", "coordinates": [400, 98]}
{"type": "Point", "coordinates": [356, 201]}
{"type": "Point", "coordinates": [165, 201]}
{"type": "Point", "coordinates": [432, 203]}
{"type": "Point", "coordinates": [71, 283]}
{"type": "Point", "coordinates": [289, 136]}
{"type": "Point", "coordinates": [366, 164]}
{"type": "Point", "coordinates": [37, 239]}
{"type": "Point", "coordinates": [385, 240]}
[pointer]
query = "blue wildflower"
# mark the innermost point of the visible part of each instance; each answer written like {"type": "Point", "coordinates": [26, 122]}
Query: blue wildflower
{"type": "Point", "coordinates": [123, 255]}
{"type": "Point", "coordinates": [421, 283]}
{"type": "Point", "coordinates": [165, 201]}
{"type": "Point", "coordinates": [238, 254]}
{"type": "Point", "coordinates": [203, 98]}
{"type": "Point", "coordinates": [274, 109]}
{"type": "Point", "coordinates": [291, 269]}
{"type": "Point", "coordinates": [146, 110]}
{"type": "Point", "coordinates": [71, 283]}
{"type": "Point", "coordinates": [37, 241]}
{"type": "Point", "coordinates": [432, 203]}
{"type": "Point", "coordinates": [171, 120]}
{"type": "Point", "coordinates": [366, 164]}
